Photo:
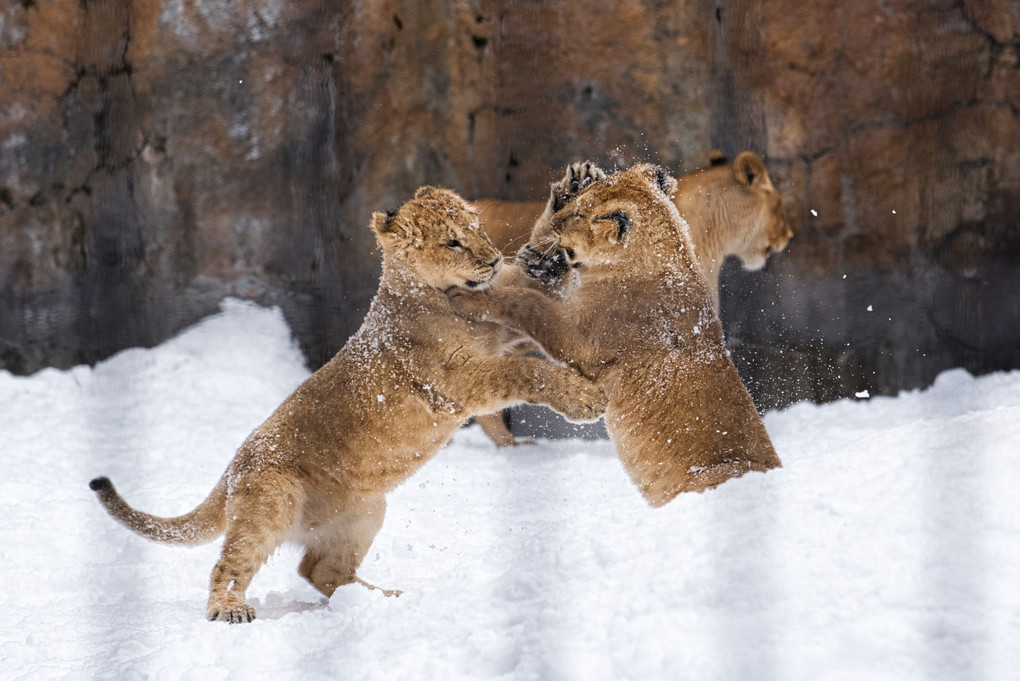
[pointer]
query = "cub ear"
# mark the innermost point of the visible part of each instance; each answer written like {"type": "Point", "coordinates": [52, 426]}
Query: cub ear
{"type": "Point", "coordinates": [383, 225]}
{"type": "Point", "coordinates": [749, 170]}
{"type": "Point", "coordinates": [422, 191]}
{"type": "Point", "coordinates": [663, 180]}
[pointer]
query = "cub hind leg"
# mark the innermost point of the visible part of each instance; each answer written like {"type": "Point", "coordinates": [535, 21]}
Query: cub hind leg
{"type": "Point", "coordinates": [495, 427]}
{"type": "Point", "coordinates": [260, 513]}
{"type": "Point", "coordinates": [336, 547]}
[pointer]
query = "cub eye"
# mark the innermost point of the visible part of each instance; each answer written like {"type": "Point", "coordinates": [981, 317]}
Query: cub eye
{"type": "Point", "coordinates": [453, 243]}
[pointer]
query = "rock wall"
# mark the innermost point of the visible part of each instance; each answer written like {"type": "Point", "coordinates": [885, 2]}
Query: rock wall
{"type": "Point", "coordinates": [158, 155]}
{"type": "Point", "coordinates": [895, 130]}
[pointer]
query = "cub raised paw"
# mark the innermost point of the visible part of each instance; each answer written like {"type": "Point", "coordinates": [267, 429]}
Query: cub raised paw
{"type": "Point", "coordinates": [578, 176]}
{"type": "Point", "coordinates": [540, 259]}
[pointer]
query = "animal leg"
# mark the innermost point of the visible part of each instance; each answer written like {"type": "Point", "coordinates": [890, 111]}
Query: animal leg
{"type": "Point", "coordinates": [545, 320]}
{"type": "Point", "coordinates": [495, 427]}
{"type": "Point", "coordinates": [335, 552]}
{"type": "Point", "coordinates": [259, 516]}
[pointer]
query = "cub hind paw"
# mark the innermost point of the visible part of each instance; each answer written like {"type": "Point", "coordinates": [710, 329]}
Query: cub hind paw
{"type": "Point", "coordinates": [240, 614]}
{"type": "Point", "coordinates": [372, 587]}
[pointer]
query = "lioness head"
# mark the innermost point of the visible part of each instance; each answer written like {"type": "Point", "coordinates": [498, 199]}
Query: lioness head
{"type": "Point", "coordinates": [762, 207]}
{"type": "Point", "coordinates": [437, 236]}
{"type": "Point", "coordinates": [591, 229]}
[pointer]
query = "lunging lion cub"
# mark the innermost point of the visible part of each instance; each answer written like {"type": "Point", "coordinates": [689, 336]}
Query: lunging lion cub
{"type": "Point", "coordinates": [317, 471]}
{"type": "Point", "coordinates": [731, 209]}
{"type": "Point", "coordinates": [635, 315]}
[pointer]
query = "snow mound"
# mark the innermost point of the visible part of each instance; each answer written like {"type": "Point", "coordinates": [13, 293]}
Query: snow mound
{"type": "Point", "coordinates": [887, 547]}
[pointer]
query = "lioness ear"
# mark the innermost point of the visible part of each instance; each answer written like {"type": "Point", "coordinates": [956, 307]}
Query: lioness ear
{"type": "Point", "coordinates": [749, 170]}
{"type": "Point", "coordinates": [717, 158]}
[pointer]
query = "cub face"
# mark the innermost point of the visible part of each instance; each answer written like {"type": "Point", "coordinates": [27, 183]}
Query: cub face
{"type": "Point", "coordinates": [593, 228]}
{"type": "Point", "coordinates": [437, 235]}
{"type": "Point", "coordinates": [771, 232]}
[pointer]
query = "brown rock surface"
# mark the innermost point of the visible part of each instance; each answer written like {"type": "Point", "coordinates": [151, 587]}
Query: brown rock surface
{"type": "Point", "coordinates": [158, 155]}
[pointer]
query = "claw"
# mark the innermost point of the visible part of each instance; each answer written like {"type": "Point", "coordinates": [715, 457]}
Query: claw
{"type": "Point", "coordinates": [233, 615]}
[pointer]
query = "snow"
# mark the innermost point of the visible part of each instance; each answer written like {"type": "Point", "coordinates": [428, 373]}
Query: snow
{"type": "Point", "coordinates": [887, 547]}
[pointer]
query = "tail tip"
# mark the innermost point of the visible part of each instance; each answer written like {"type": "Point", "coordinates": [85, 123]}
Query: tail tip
{"type": "Point", "coordinates": [100, 484]}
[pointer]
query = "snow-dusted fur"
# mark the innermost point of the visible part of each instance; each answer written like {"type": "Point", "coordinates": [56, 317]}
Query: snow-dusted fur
{"type": "Point", "coordinates": [317, 471]}
{"type": "Point", "coordinates": [635, 315]}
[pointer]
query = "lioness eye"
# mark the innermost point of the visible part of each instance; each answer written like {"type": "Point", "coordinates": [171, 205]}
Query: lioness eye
{"type": "Point", "coordinates": [453, 243]}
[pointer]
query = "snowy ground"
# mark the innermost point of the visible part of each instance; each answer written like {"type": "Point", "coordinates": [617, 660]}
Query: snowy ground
{"type": "Point", "coordinates": [888, 547]}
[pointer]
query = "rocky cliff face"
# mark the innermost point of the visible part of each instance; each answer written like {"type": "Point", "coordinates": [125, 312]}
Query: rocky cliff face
{"type": "Point", "coordinates": [157, 155]}
{"type": "Point", "coordinates": [895, 129]}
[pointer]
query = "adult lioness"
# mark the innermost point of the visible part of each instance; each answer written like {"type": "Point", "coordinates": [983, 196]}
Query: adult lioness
{"type": "Point", "coordinates": [317, 471]}
{"type": "Point", "coordinates": [731, 208]}
{"type": "Point", "coordinates": [636, 317]}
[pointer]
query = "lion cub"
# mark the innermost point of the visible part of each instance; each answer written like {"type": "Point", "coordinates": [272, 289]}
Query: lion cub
{"type": "Point", "coordinates": [317, 471]}
{"type": "Point", "coordinates": [730, 208]}
{"type": "Point", "coordinates": [634, 313]}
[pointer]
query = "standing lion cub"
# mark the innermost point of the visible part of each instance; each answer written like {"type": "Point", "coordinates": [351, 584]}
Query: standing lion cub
{"type": "Point", "coordinates": [317, 471]}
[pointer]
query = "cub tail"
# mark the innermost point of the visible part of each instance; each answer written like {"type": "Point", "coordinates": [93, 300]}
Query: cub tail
{"type": "Point", "coordinates": [203, 524]}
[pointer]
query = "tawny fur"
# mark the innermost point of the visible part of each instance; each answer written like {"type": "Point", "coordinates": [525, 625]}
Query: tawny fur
{"type": "Point", "coordinates": [636, 316]}
{"type": "Point", "coordinates": [317, 471]}
{"type": "Point", "coordinates": [731, 208]}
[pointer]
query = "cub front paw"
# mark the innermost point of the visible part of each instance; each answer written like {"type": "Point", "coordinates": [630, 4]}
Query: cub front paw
{"type": "Point", "coordinates": [586, 402]}
{"type": "Point", "coordinates": [548, 266]}
{"type": "Point", "coordinates": [471, 305]}
{"type": "Point", "coordinates": [578, 176]}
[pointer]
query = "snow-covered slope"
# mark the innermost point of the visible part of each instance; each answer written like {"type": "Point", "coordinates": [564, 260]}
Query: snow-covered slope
{"type": "Point", "coordinates": [888, 547]}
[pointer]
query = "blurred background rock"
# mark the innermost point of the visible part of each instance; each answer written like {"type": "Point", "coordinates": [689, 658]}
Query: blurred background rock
{"type": "Point", "coordinates": [159, 155]}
